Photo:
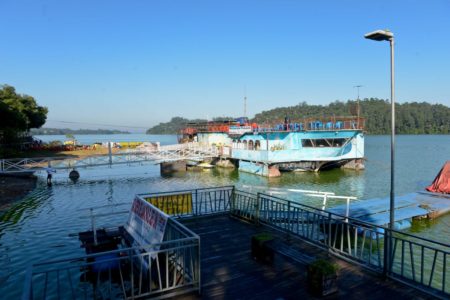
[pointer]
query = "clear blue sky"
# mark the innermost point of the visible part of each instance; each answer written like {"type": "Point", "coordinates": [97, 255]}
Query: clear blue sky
{"type": "Point", "coordinates": [139, 63]}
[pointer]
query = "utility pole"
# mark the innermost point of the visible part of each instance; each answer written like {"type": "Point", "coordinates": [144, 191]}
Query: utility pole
{"type": "Point", "coordinates": [357, 103]}
{"type": "Point", "coordinates": [245, 101]}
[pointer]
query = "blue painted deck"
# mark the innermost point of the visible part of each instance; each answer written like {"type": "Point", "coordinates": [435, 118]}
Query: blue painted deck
{"type": "Point", "coordinates": [407, 207]}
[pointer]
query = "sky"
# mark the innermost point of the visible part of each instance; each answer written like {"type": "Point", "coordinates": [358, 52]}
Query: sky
{"type": "Point", "coordinates": [139, 63]}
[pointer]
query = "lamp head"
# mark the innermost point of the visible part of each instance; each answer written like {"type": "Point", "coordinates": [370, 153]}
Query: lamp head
{"type": "Point", "coordinates": [379, 35]}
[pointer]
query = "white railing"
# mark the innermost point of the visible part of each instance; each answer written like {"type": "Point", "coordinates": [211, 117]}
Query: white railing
{"type": "Point", "coordinates": [169, 268]}
{"type": "Point", "coordinates": [326, 197]}
{"type": "Point", "coordinates": [191, 151]}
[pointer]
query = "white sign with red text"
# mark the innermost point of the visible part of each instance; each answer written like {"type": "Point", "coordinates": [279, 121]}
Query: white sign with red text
{"type": "Point", "coordinates": [146, 224]}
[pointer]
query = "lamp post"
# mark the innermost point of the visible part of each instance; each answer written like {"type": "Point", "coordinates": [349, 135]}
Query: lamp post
{"type": "Point", "coordinates": [386, 35]}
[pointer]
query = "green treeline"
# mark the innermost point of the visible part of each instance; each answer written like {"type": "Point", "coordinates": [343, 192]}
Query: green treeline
{"type": "Point", "coordinates": [64, 131]}
{"type": "Point", "coordinates": [411, 118]}
{"type": "Point", "coordinates": [177, 123]}
{"type": "Point", "coordinates": [18, 114]}
{"type": "Point", "coordinates": [172, 127]}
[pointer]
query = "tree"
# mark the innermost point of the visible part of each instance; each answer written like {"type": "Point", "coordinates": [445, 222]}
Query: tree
{"type": "Point", "coordinates": [18, 113]}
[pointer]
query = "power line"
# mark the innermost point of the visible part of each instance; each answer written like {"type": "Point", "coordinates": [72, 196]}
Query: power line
{"type": "Point", "coordinates": [97, 124]}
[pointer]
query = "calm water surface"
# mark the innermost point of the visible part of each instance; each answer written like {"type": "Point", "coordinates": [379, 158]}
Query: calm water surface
{"type": "Point", "coordinates": [40, 226]}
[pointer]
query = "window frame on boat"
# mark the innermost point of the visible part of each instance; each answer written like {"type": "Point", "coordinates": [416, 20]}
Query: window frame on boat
{"type": "Point", "coordinates": [324, 143]}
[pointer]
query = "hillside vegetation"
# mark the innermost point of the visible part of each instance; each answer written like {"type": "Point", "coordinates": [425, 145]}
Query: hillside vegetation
{"type": "Point", "coordinates": [176, 124]}
{"type": "Point", "coordinates": [411, 118]}
{"type": "Point", "coordinates": [64, 131]}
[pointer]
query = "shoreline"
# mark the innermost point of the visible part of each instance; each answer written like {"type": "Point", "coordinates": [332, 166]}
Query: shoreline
{"type": "Point", "coordinates": [63, 154]}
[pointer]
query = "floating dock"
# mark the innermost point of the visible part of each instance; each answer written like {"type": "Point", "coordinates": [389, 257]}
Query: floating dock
{"type": "Point", "coordinates": [417, 205]}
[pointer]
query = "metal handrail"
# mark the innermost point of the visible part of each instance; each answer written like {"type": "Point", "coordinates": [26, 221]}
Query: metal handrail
{"type": "Point", "coordinates": [162, 154]}
{"type": "Point", "coordinates": [178, 256]}
{"type": "Point", "coordinates": [356, 241]}
{"type": "Point", "coordinates": [416, 261]}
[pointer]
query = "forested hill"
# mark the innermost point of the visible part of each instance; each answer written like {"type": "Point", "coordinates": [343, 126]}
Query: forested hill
{"type": "Point", "coordinates": [63, 131]}
{"type": "Point", "coordinates": [172, 127]}
{"type": "Point", "coordinates": [176, 124]}
{"type": "Point", "coordinates": [411, 118]}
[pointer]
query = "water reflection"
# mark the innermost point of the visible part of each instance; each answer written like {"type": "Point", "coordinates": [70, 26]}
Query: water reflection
{"type": "Point", "coordinates": [31, 202]}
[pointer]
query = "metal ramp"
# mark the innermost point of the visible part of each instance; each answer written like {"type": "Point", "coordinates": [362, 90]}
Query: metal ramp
{"type": "Point", "coordinates": [407, 207]}
{"type": "Point", "coordinates": [170, 153]}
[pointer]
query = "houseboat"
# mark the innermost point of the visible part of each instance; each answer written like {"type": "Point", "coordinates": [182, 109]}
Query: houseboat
{"type": "Point", "coordinates": [302, 145]}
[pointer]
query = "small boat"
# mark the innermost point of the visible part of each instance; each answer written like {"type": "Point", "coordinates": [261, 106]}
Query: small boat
{"type": "Point", "coordinates": [205, 165]}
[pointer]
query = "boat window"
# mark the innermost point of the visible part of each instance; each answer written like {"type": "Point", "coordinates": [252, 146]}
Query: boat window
{"type": "Point", "coordinates": [339, 142]}
{"type": "Point", "coordinates": [250, 145]}
{"type": "Point", "coordinates": [245, 144]}
{"type": "Point", "coordinates": [307, 143]}
{"type": "Point", "coordinates": [257, 145]}
{"type": "Point", "coordinates": [324, 142]}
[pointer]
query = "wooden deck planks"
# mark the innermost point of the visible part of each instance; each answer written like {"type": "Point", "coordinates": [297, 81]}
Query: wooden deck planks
{"type": "Point", "coordinates": [229, 271]}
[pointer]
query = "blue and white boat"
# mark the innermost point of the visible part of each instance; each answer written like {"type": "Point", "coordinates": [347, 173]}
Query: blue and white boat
{"type": "Point", "coordinates": [306, 145]}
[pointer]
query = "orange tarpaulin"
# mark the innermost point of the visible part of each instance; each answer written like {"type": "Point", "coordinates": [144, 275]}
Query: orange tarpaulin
{"type": "Point", "coordinates": [441, 183]}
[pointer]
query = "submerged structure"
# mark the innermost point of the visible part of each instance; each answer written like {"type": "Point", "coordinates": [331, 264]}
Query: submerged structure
{"type": "Point", "coordinates": [266, 149]}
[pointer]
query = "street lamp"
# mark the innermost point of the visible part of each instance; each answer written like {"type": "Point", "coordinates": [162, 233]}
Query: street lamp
{"type": "Point", "coordinates": [386, 35]}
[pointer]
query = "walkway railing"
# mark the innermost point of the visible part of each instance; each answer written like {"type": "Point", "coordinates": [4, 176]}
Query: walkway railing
{"type": "Point", "coordinates": [127, 273]}
{"type": "Point", "coordinates": [170, 153]}
{"type": "Point", "coordinates": [195, 202]}
{"type": "Point", "coordinates": [418, 262]}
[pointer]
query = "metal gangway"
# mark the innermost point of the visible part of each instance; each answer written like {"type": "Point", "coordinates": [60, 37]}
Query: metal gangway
{"type": "Point", "coordinates": [154, 155]}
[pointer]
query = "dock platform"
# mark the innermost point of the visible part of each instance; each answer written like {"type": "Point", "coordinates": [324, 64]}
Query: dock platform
{"type": "Point", "coordinates": [229, 271]}
{"type": "Point", "coordinates": [407, 207]}
{"type": "Point", "coordinates": [206, 245]}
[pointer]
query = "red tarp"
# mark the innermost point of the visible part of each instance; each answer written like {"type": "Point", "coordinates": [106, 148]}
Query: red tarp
{"type": "Point", "coordinates": [441, 183]}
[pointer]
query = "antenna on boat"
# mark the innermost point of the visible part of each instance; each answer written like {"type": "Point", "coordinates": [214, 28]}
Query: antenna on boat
{"type": "Point", "coordinates": [357, 104]}
{"type": "Point", "coordinates": [245, 101]}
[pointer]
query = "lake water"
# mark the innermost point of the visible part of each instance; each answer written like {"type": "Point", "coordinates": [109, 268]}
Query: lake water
{"type": "Point", "coordinates": [39, 227]}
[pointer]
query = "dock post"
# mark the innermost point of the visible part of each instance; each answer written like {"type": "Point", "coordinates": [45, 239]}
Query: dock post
{"type": "Point", "coordinates": [347, 210]}
{"type": "Point", "coordinates": [257, 207]}
{"type": "Point", "coordinates": [94, 230]}
{"type": "Point", "coordinates": [288, 223]}
{"type": "Point", "coordinates": [110, 153]}
{"type": "Point", "coordinates": [233, 199]}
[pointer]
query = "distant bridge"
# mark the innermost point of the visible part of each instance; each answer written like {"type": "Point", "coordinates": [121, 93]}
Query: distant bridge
{"type": "Point", "coordinates": [161, 154]}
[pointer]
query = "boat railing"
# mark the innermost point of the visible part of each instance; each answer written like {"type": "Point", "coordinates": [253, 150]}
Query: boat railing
{"type": "Point", "coordinates": [315, 124]}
